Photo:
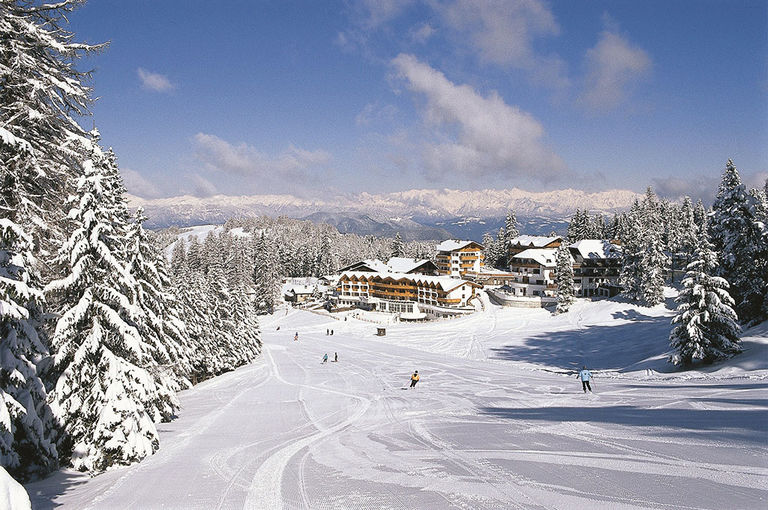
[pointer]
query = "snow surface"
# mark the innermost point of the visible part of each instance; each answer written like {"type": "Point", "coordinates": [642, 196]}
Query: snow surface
{"type": "Point", "coordinates": [498, 420]}
{"type": "Point", "coordinates": [12, 494]}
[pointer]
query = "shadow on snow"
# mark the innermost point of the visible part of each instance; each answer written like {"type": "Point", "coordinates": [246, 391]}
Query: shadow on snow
{"type": "Point", "coordinates": [714, 424]}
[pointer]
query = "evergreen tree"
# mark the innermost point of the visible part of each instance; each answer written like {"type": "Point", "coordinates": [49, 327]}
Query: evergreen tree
{"type": "Point", "coordinates": [699, 215]}
{"type": "Point", "coordinates": [25, 419]}
{"type": "Point", "coordinates": [689, 231]}
{"type": "Point", "coordinates": [741, 239]}
{"type": "Point", "coordinates": [266, 280]}
{"type": "Point", "coordinates": [41, 96]}
{"type": "Point", "coordinates": [707, 327]}
{"type": "Point", "coordinates": [564, 279]}
{"type": "Point", "coordinates": [398, 249]}
{"type": "Point", "coordinates": [653, 262]}
{"type": "Point", "coordinates": [578, 228]}
{"type": "Point", "coordinates": [102, 392]}
{"type": "Point", "coordinates": [158, 324]}
{"type": "Point", "coordinates": [632, 250]}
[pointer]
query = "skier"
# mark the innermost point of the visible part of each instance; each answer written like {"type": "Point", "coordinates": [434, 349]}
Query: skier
{"type": "Point", "coordinates": [325, 358]}
{"type": "Point", "coordinates": [296, 337]}
{"type": "Point", "coordinates": [585, 375]}
{"type": "Point", "coordinates": [414, 378]}
{"type": "Point", "coordinates": [335, 356]}
{"type": "Point", "coordinates": [326, 332]}
{"type": "Point", "coordinates": [331, 332]}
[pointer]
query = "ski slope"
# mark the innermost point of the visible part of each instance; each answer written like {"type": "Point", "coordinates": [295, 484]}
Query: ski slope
{"type": "Point", "coordinates": [498, 421]}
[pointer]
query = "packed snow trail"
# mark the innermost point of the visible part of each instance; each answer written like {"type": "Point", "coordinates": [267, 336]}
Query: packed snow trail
{"type": "Point", "coordinates": [290, 432]}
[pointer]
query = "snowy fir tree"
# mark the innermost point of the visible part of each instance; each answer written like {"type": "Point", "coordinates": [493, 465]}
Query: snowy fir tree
{"type": "Point", "coordinates": [266, 280]}
{"type": "Point", "coordinates": [41, 96]}
{"type": "Point", "coordinates": [564, 279]}
{"type": "Point", "coordinates": [398, 249]}
{"type": "Point", "coordinates": [632, 250]}
{"type": "Point", "coordinates": [158, 325]}
{"type": "Point", "coordinates": [510, 229]}
{"type": "Point", "coordinates": [653, 261]}
{"type": "Point", "coordinates": [689, 232]}
{"type": "Point", "coordinates": [25, 418]}
{"type": "Point", "coordinates": [103, 396]}
{"type": "Point", "coordinates": [706, 325]}
{"type": "Point", "coordinates": [579, 226]}
{"type": "Point", "coordinates": [741, 240]}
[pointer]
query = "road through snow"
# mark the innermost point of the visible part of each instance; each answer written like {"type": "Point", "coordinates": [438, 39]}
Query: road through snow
{"type": "Point", "coordinates": [480, 431]}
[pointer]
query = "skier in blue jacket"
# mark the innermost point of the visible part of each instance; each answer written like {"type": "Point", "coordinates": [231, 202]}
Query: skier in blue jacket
{"type": "Point", "coordinates": [585, 375]}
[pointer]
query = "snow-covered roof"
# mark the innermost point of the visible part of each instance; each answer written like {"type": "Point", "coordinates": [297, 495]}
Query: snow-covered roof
{"type": "Point", "coordinates": [446, 282]}
{"type": "Point", "coordinates": [453, 244]}
{"type": "Point", "coordinates": [300, 289]}
{"type": "Point", "coordinates": [534, 241]}
{"type": "Point", "coordinates": [545, 256]}
{"type": "Point", "coordinates": [597, 249]}
{"type": "Point", "coordinates": [403, 264]}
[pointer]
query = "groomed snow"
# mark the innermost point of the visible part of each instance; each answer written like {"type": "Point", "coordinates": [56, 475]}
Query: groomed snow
{"type": "Point", "coordinates": [497, 421]}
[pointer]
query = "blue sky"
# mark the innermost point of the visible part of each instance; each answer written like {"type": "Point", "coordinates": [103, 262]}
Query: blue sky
{"type": "Point", "coordinates": [301, 97]}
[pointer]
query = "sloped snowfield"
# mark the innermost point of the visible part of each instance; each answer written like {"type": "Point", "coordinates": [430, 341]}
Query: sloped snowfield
{"type": "Point", "coordinates": [498, 421]}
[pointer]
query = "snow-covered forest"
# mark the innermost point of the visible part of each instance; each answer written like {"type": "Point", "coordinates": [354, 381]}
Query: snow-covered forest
{"type": "Point", "coordinates": [97, 336]}
{"type": "Point", "coordinates": [104, 322]}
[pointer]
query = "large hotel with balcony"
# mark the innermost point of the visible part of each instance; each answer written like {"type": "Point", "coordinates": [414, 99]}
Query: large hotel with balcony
{"type": "Point", "coordinates": [457, 258]}
{"type": "Point", "coordinates": [406, 287]}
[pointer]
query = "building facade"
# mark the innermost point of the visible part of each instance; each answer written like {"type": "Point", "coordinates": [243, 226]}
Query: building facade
{"type": "Point", "coordinates": [596, 267]}
{"type": "Point", "coordinates": [410, 295]}
{"type": "Point", "coordinates": [457, 258]}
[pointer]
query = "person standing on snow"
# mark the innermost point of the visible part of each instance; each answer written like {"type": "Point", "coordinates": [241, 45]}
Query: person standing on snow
{"type": "Point", "coordinates": [414, 379]}
{"type": "Point", "coordinates": [335, 356]}
{"type": "Point", "coordinates": [325, 358]}
{"type": "Point", "coordinates": [585, 375]}
{"type": "Point", "coordinates": [296, 337]}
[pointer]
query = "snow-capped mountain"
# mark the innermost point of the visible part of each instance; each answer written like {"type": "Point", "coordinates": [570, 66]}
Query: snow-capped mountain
{"type": "Point", "coordinates": [428, 205]}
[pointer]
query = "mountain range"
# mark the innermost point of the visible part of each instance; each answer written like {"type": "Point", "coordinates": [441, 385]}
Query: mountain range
{"type": "Point", "coordinates": [416, 214]}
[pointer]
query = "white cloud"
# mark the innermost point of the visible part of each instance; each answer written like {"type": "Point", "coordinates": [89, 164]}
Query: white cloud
{"type": "Point", "coordinates": [422, 33]}
{"type": "Point", "coordinates": [154, 81]}
{"type": "Point", "coordinates": [475, 135]}
{"type": "Point", "coordinates": [375, 13]}
{"type": "Point", "coordinates": [613, 67]}
{"type": "Point", "coordinates": [137, 185]}
{"type": "Point", "coordinates": [243, 159]}
{"type": "Point", "coordinates": [502, 32]}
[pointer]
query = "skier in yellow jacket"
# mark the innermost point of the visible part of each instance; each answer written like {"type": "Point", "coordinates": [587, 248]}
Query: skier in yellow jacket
{"type": "Point", "coordinates": [414, 379]}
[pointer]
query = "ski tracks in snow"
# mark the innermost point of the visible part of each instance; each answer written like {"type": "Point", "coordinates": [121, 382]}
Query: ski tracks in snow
{"type": "Point", "coordinates": [266, 485]}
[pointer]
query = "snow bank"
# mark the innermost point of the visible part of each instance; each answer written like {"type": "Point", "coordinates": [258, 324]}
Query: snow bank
{"type": "Point", "coordinates": [12, 494]}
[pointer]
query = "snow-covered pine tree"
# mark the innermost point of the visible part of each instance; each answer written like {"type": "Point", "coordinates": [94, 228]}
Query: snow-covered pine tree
{"type": "Point", "coordinates": [689, 231]}
{"type": "Point", "coordinates": [398, 249]}
{"type": "Point", "coordinates": [699, 215]}
{"type": "Point", "coordinates": [195, 304]}
{"type": "Point", "coordinates": [632, 248]}
{"type": "Point", "coordinates": [579, 228]}
{"type": "Point", "coordinates": [510, 229]}
{"type": "Point", "coordinates": [266, 280]}
{"type": "Point", "coordinates": [25, 418]}
{"type": "Point", "coordinates": [564, 279]}
{"type": "Point", "coordinates": [741, 240]}
{"type": "Point", "coordinates": [653, 261]}
{"type": "Point", "coordinates": [158, 325]}
{"type": "Point", "coordinates": [42, 94]}
{"type": "Point", "coordinates": [707, 327]}
{"type": "Point", "coordinates": [102, 390]}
